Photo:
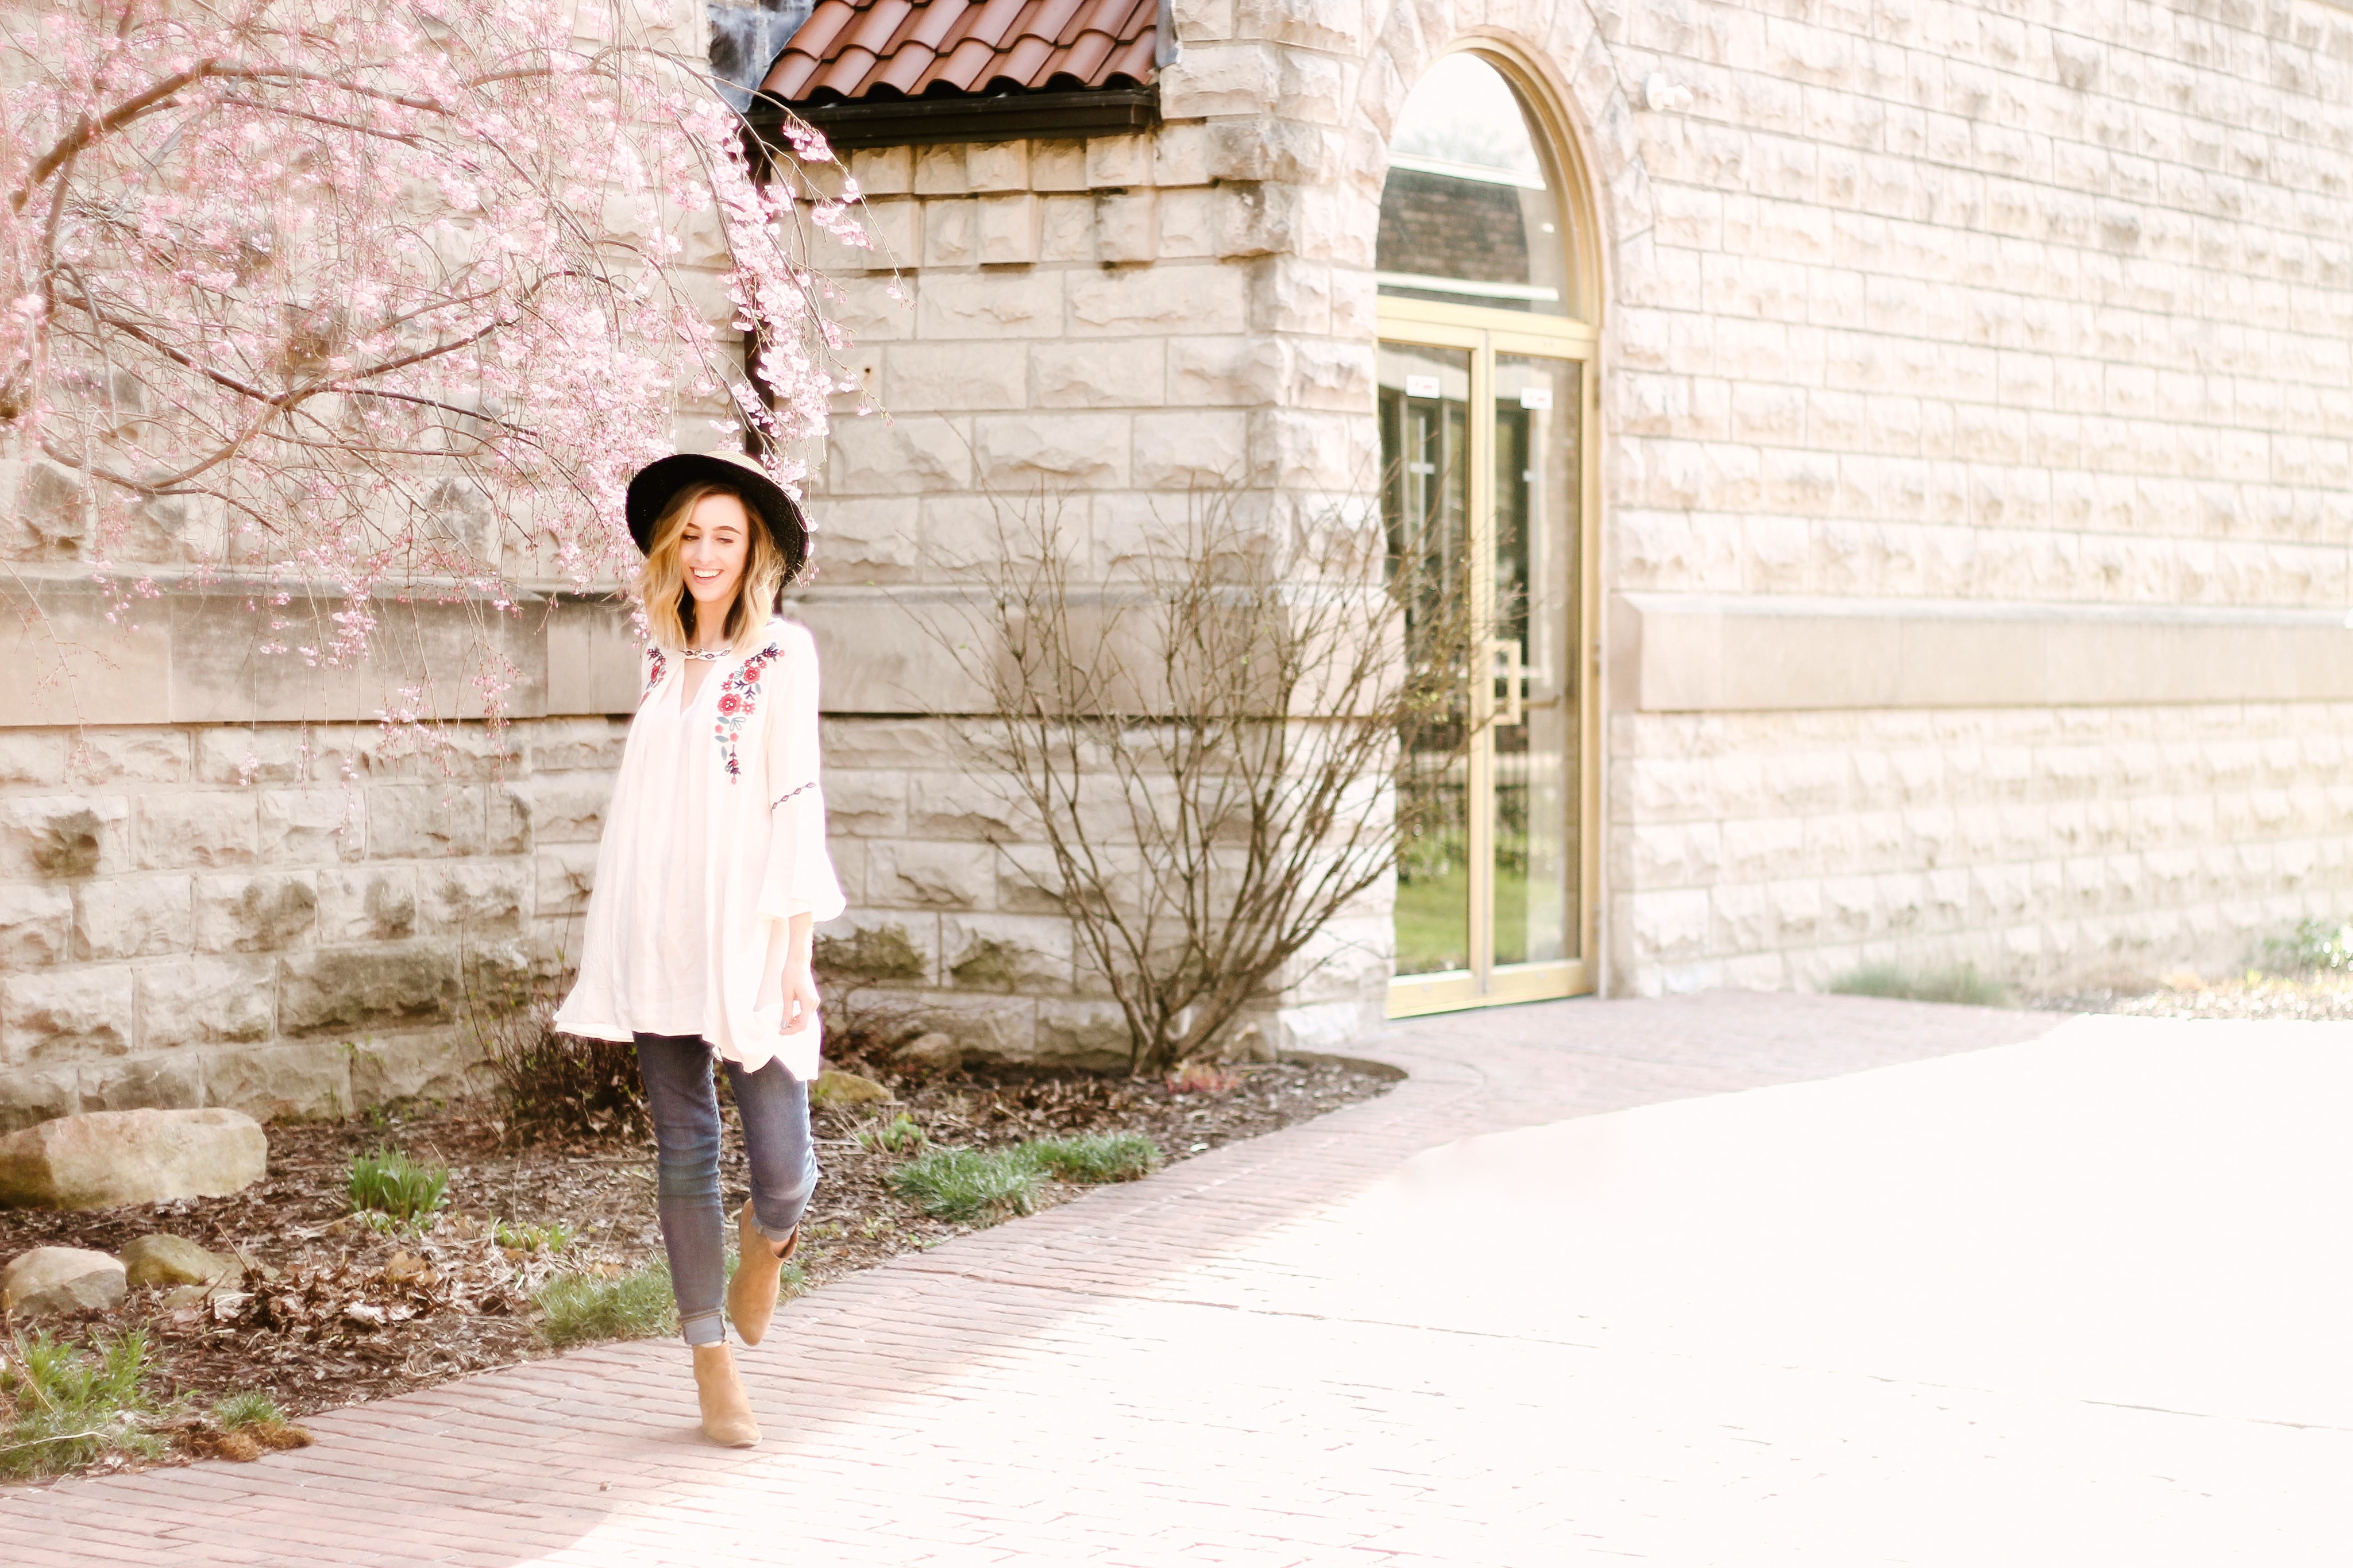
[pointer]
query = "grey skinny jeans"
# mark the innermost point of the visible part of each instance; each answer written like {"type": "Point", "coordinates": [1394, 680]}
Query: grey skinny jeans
{"type": "Point", "coordinates": [684, 1103]}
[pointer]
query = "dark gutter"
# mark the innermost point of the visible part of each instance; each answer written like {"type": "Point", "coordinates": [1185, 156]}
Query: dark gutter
{"type": "Point", "coordinates": [965, 117]}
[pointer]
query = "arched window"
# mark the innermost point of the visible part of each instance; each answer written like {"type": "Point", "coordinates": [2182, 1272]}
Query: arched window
{"type": "Point", "coordinates": [1470, 212]}
{"type": "Point", "coordinates": [1486, 398]}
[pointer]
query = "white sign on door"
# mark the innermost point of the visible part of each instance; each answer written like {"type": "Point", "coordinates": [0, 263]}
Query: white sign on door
{"type": "Point", "coordinates": [1421, 386]}
{"type": "Point", "coordinates": [1536, 398]}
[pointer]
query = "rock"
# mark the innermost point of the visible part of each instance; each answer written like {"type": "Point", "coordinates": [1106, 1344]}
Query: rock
{"type": "Point", "coordinates": [60, 1280]}
{"type": "Point", "coordinates": [935, 1052]}
{"type": "Point", "coordinates": [834, 1087]}
{"type": "Point", "coordinates": [103, 1158]}
{"type": "Point", "coordinates": [1248, 1043]}
{"type": "Point", "coordinates": [173, 1260]}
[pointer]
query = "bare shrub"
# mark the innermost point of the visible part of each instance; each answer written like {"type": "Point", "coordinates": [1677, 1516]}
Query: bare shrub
{"type": "Point", "coordinates": [552, 1086]}
{"type": "Point", "coordinates": [1203, 746]}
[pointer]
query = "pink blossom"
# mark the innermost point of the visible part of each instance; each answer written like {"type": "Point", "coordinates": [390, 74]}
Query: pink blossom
{"type": "Point", "coordinates": [356, 305]}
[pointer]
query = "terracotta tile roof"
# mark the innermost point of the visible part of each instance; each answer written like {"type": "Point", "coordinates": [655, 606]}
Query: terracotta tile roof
{"type": "Point", "coordinates": [851, 49]}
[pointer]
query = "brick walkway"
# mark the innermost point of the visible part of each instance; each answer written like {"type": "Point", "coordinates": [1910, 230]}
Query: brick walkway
{"type": "Point", "coordinates": [1983, 1307]}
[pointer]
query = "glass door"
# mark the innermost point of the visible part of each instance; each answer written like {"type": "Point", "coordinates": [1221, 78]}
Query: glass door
{"type": "Point", "coordinates": [1483, 438]}
{"type": "Point", "coordinates": [1425, 405]}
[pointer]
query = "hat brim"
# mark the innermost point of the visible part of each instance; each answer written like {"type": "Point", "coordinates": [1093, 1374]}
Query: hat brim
{"type": "Point", "coordinates": [652, 487]}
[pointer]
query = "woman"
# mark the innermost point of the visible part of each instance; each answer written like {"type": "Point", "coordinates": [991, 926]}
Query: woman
{"type": "Point", "coordinates": [711, 872]}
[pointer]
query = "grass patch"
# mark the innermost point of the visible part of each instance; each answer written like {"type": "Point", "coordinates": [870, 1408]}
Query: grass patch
{"type": "Point", "coordinates": [61, 1407]}
{"type": "Point", "coordinates": [2316, 947]}
{"type": "Point", "coordinates": [1962, 984]}
{"type": "Point", "coordinates": [992, 1184]}
{"type": "Point", "coordinates": [250, 1409]}
{"type": "Point", "coordinates": [1096, 1156]}
{"type": "Point", "coordinates": [553, 1236]}
{"type": "Point", "coordinates": [391, 1184]}
{"type": "Point", "coordinates": [244, 1427]}
{"type": "Point", "coordinates": [903, 1135]}
{"type": "Point", "coordinates": [968, 1183]}
{"type": "Point", "coordinates": [576, 1308]}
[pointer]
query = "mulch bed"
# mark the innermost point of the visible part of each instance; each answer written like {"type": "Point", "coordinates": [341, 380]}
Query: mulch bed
{"type": "Point", "coordinates": [333, 1312]}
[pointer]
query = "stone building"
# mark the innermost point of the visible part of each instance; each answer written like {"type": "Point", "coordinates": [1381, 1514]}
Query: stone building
{"type": "Point", "coordinates": [1909, 443]}
{"type": "Point", "coordinates": [1918, 435]}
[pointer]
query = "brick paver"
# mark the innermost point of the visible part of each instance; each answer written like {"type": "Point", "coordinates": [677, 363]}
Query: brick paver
{"type": "Point", "coordinates": [1558, 1295]}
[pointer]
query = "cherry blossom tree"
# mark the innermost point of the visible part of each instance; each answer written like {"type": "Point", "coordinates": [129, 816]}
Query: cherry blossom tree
{"type": "Point", "coordinates": [382, 299]}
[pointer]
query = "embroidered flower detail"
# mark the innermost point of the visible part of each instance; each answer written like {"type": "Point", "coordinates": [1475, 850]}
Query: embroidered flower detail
{"type": "Point", "coordinates": [654, 666]}
{"type": "Point", "coordinates": [739, 699]}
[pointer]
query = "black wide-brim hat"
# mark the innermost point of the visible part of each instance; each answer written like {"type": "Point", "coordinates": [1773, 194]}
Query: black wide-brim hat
{"type": "Point", "coordinates": [652, 487]}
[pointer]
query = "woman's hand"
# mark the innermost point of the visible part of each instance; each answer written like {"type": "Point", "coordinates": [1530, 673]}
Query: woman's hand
{"type": "Point", "coordinates": [801, 998]}
{"type": "Point", "coordinates": [800, 981]}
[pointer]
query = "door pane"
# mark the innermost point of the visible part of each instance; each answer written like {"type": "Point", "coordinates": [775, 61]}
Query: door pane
{"type": "Point", "coordinates": [1537, 460]}
{"type": "Point", "coordinates": [1425, 445]}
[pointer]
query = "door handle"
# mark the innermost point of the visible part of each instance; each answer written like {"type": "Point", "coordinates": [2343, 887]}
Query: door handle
{"type": "Point", "coordinates": [1514, 677]}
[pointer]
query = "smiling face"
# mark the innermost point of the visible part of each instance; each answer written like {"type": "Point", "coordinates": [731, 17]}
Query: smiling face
{"type": "Point", "coordinates": [711, 550]}
{"type": "Point", "coordinates": [712, 574]}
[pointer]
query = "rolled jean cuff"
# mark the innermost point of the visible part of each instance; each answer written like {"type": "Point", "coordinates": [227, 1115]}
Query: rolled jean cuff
{"type": "Point", "coordinates": [703, 1329]}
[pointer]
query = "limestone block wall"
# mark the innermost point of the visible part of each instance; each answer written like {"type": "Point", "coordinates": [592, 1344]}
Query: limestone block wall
{"type": "Point", "coordinates": [1115, 325]}
{"type": "Point", "coordinates": [219, 883]}
{"type": "Point", "coordinates": [1773, 850]}
{"type": "Point", "coordinates": [2044, 316]}
{"type": "Point", "coordinates": [1947, 303]}
{"type": "Point", "coordinates": [1116, 319]}
{"type": "Point", "coordinates": [289, 920]}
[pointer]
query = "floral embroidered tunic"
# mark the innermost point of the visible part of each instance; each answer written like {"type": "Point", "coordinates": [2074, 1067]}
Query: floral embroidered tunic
{"type": "Point", "coordinates": [714, 840]}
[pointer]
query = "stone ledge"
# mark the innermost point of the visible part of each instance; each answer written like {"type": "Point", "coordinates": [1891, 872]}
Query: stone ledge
{"type": "Point", "coordinates": [1765, 653]}
{"type": "Point", "coordinates": [186, 659]}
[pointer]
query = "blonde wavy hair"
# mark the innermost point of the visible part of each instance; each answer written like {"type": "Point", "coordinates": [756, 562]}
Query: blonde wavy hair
{"type": "Point", "coordinates": [661, 582]}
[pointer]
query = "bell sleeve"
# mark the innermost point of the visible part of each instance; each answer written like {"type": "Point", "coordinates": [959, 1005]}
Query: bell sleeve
{"type": "Point", "coordinates": [799, 879]}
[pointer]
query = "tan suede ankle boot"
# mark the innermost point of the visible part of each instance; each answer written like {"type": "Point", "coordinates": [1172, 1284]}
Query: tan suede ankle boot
{"type": "Point", "coordinates": [759, 1271]}
{"type": "Point", "coordinates": [726, 1408]}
